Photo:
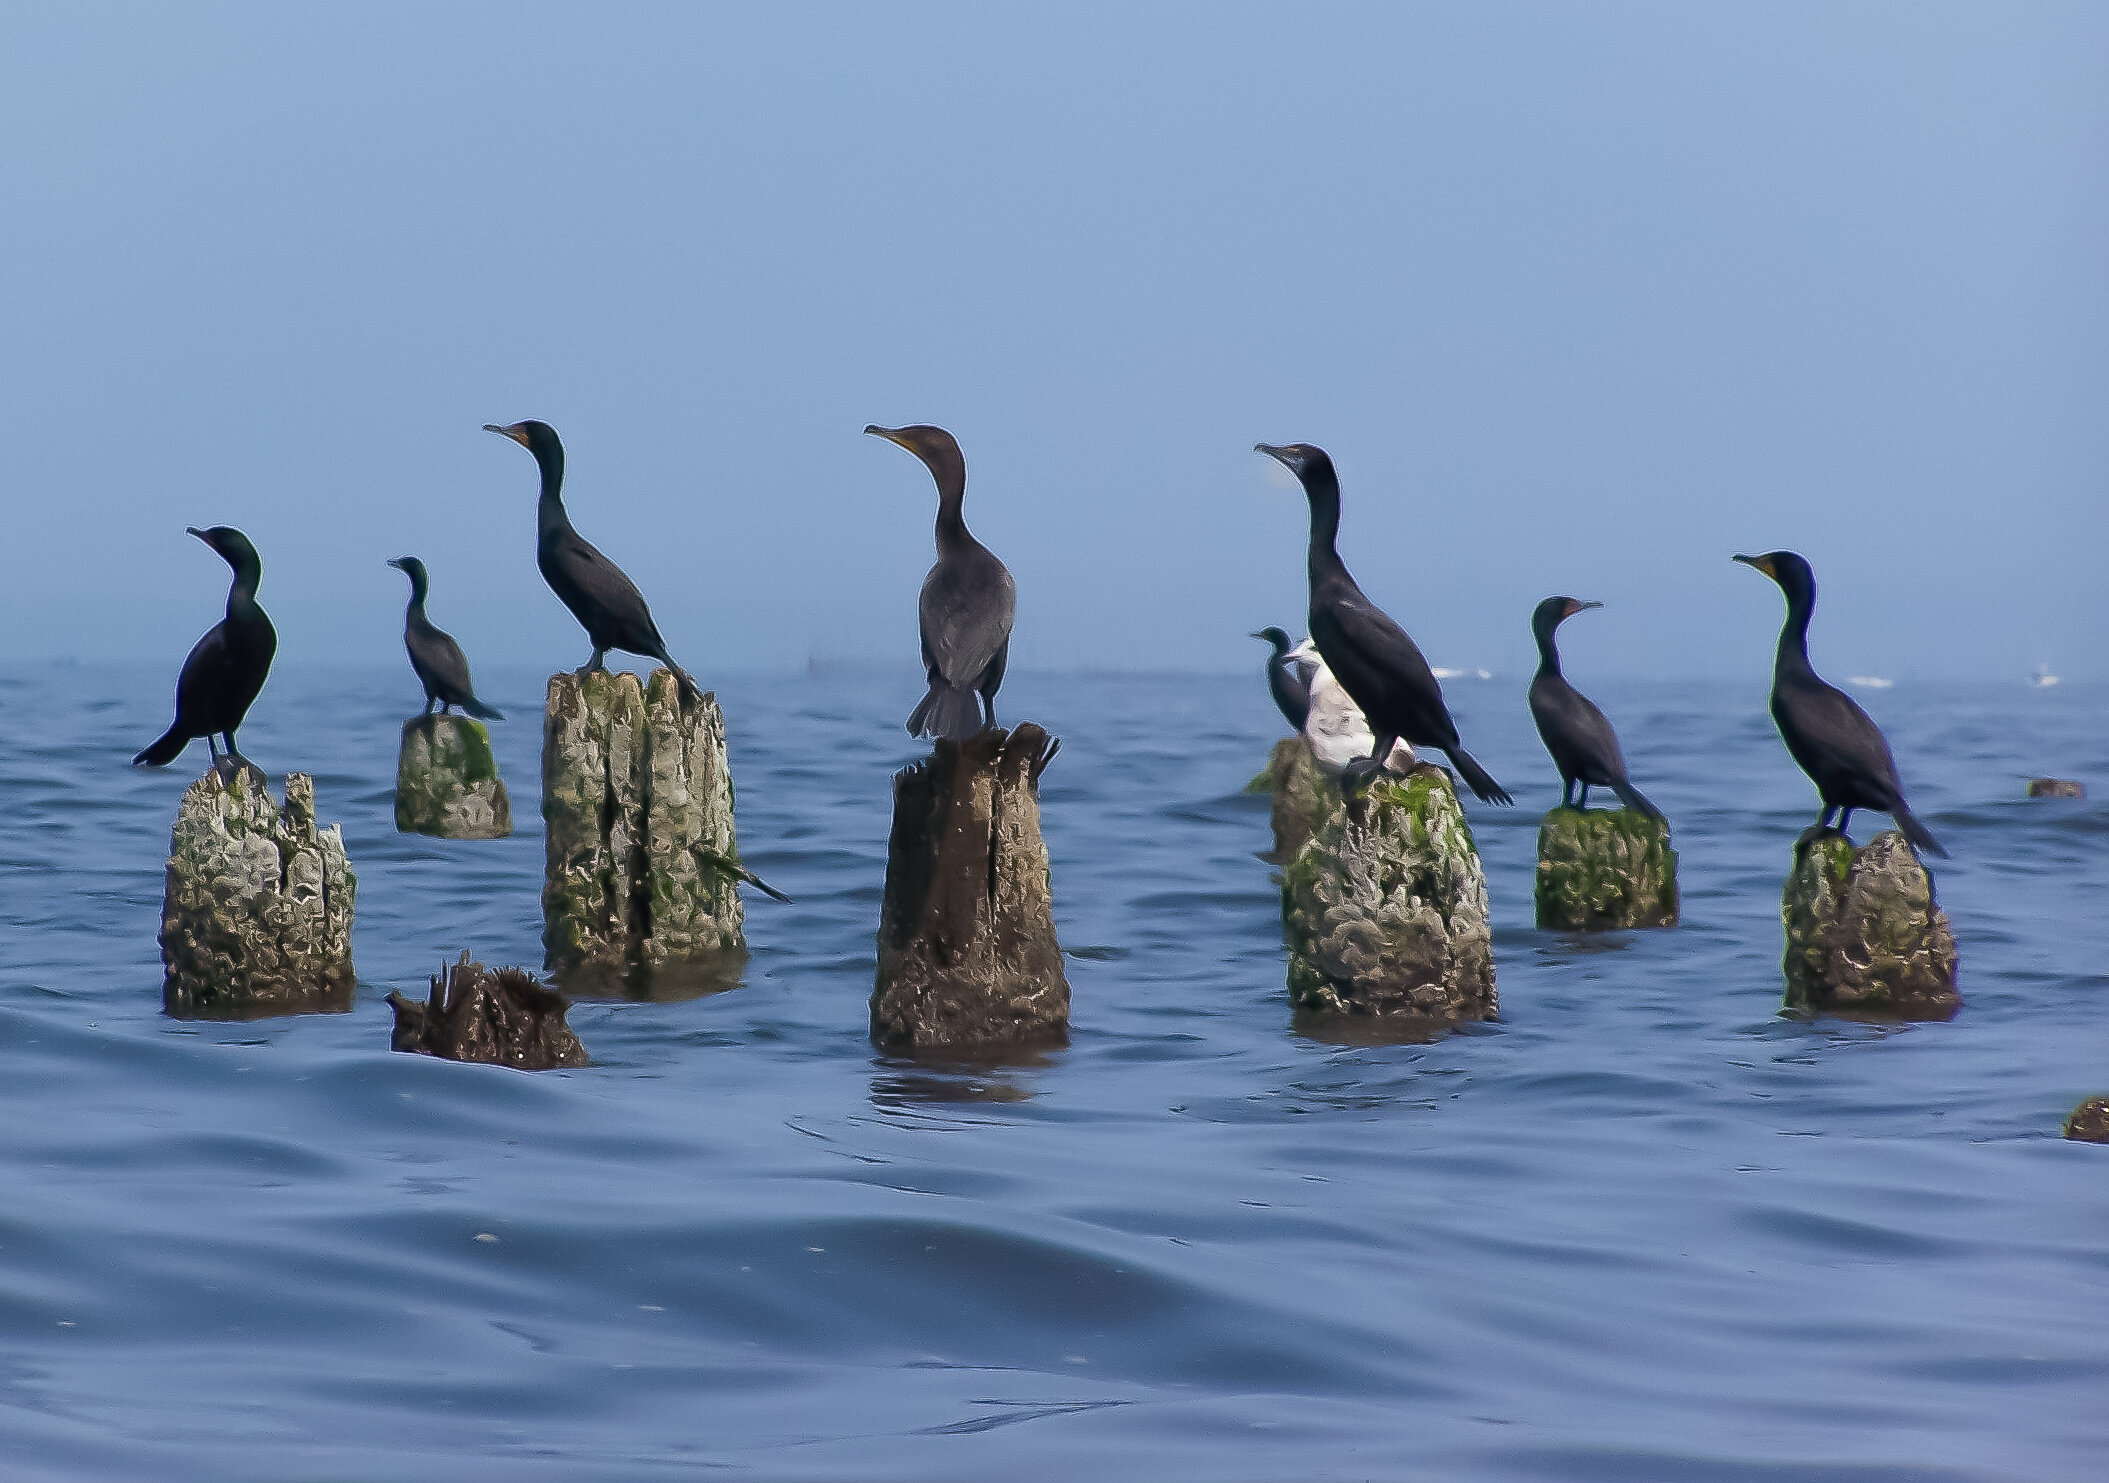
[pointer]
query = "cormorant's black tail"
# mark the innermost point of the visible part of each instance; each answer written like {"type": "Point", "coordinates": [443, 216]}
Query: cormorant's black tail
{"type": "Point", "coordinates": [1916, 832]}
{"type": "Point", "coordinates": [740, 872]}
{"type": "Point", "coordinates": [481, 711]}
{"type": "Point", "coordinates": [164, 751]}
{"type": "Point", "coordinates": [690, 690]}
{"type": "Point", "coordinates": [1477, 778]}
{"type": "Point", "coordinates": [1634, 799]}
{"type": "Point", "coordinates": [947, 711]}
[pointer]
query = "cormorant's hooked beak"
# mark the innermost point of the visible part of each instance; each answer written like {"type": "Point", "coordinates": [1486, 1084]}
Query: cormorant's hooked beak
{"type": "Point", "coordinates": [1295, 457]}
{"type": "Point", "coordinates": [890, 434]}
{"type": "Point", "coordinates": [1762, 563]}
{"type": "Point", "coordinates": [396, 562]}
{"type": "Point", "coordinates": [1581, 607]}
{"type": "Point", "coordinates": [516, 432]}
{"type": "Point", "coordinates": [201, 535]}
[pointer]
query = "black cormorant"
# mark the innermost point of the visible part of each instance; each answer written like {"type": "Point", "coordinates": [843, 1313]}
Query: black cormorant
{"type": "Point", "coordinates": [1582, 743]}
{"type": "Point", "coordinates": [441, 666]}
{"type": "Point", "coordinates": [226, 668]}
{"type": "Point", "coordinates": [966, 605]}
{"type": "Point", "coordinates": [606, 603]}
{"type": "Point", "coordinates": [1286, 681]}
{"type": "Point", "coordinates": [1835, 742]}
{"type": "Point", "coordinates": [1371, 656]}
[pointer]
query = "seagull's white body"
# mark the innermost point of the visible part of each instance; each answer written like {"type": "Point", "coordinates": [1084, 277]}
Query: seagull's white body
{"type": "Point", "coordinates": [1336, 729]}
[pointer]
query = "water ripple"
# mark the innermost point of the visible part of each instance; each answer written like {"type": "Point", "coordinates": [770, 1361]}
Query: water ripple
{"type": "Point", "coordinates": [1643, 1227]}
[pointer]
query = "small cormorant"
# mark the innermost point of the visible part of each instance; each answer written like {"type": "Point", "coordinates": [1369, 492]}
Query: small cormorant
{"type": "Point", "coordinates": [1336, 731]}
{"type": "Point", "coordinates": [966, 605]}
{"type": "Point", "coordinates": [1371, 656]}
{"type": "Point", "coordinates": [441, 666]}
{"type": "Point", "coordinates": [606, 603]}
{"type": "Point", "coordinates": [1286, 680]}
{"type": "Point", "coordinates": [1833, 740]}
{"type": "Point", "coordinates": [1582, 743]}
{"type": "Point", "coordinates": [226, 668]}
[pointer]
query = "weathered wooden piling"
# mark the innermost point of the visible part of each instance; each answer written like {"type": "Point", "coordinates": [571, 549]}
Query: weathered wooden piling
{"type": "Point", "coordinates": [256, 916]}
{"type": "Point", "coordinates": [1304, 796]}
{"type": "Point", "coordinates": [1863, 930]}
{"type": "Point", "coordinates": [642, 860]}
{"type": "Point", "coordinates": [1386, 908]}
{"type": "Point", "coordinates": [502, 1019]}
{"type": "Point", "coordinates": [1603, 869]}
{"type": "Point", "coordinates": [2089, 1122]}
{"type": "Point", "coordinates": [447, 783]}
{"type": "Point", "coordinates": [967, 950]}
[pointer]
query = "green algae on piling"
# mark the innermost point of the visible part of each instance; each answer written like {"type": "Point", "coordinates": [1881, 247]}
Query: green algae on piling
{"type": "Point", "coordinates": [1385, 908]}
{"type": "Point", "coordinates": [1864, 933]}
{"type": "Point", "coordinates": [1605, 869]}
{"type": "Point", "coordinates": [447, 783]}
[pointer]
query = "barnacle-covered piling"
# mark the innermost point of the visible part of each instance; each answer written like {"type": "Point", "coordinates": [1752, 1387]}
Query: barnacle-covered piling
{"type": "Point", "coordinates": [1863, 930]}
{"type": "Point", "coordinates": [1600, 869]}
{"type": "Point", "coordinates": [447, 783]}
{"type": "Point", "coordinates": [502, 1019]}
{"type": "Point", "coordinates": [642, 860]}
{"type": "Point", "coordinates": [967, 950]}
{"type": "Point", "coordinates": [256, 916]}
{"type": "Point", "coordinates": [1386, 908]}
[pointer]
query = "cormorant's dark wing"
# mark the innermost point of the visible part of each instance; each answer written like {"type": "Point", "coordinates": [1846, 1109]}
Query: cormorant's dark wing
{"type": "Point", "coordinates": [616, 603]}
{"type": "Point", "coordinates": [1841, 738]}
{"type": "Point", "coordinates": [1290, 685]}
{"type": "Point", "coordinates": [1579, 735]}
{"type": "Point", "coordinates": [966, 607]}
{"type": "Point", "coordinates": [204, 682]}
{"type": "Point", "coordinates": [1382, 670]}
{"type": "Point", "coordinates": [439, 663]}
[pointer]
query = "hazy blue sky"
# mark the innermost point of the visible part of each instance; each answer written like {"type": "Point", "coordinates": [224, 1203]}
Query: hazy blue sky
{"type": "Point", "coordinates": [1583, 298]}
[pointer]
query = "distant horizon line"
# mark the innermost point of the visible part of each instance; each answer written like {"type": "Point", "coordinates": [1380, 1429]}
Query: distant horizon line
{"type": "Point", "coordinates": [822, 669]}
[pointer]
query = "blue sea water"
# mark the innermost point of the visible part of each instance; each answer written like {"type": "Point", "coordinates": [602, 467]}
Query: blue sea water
{"type": "Point", "coordinates": [1642, 1228]}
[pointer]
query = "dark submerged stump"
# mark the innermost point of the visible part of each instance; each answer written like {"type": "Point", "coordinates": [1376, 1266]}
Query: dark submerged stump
{"type": "Point", "coordinates": [1864, 933]}
{"type": "Point", "coordinates": [1604, 869]}
{"type": "Point", "coordinates": [1386, 909]}
{"type": "Point", "coordinates": [500, 1019]}
{"type": "Point", "coordinates": [642, 860]}
{"type": "Point", "coordinates": [2056, 788]}
{"type": "Point", "coordinates": [2089, 1122]}
{"type": "Point", "coordinates": [967, 950]}
{"type": "Point", "coordinates": [447, 783]}
{"type": "Point", "coordinates": [256, 914]}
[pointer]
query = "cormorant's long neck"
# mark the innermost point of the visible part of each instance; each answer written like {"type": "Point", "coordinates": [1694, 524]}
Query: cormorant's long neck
{"type": "Point", "coordinates": [1548, 649]}
{"type": "Point", "coordinates": [1793, 657]}
{"type": "Point", "coordinates": [241, 592]}
{"type": "Point", "coordinates": [1323, 488]}
{"type": "Point", "coordinates": [418, 586]}
{"type": "Point", "coordinates": [549, 511]}
{"type": "Point", "coordinates": [951, 498]}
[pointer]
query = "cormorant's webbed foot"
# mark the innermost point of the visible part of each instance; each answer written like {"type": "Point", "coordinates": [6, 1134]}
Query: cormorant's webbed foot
{"type": "Point", "coordinates": [231, 765]}
{"type": "Point", "coordinates": [1815, 832]}
{"type": "Point", "coordinates": [1357, 775]}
